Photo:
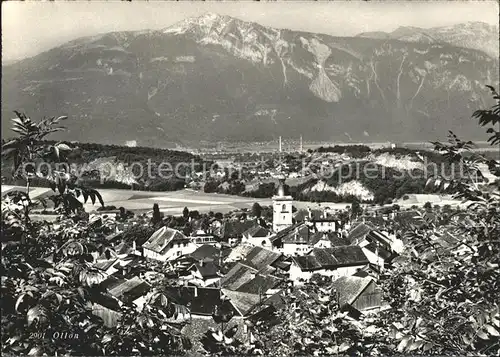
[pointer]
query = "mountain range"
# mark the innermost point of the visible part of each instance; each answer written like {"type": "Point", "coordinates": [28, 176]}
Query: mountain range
{"type": "Point", "coordinates": [474, 35]}
{"type": "Point", "coordinates": [216, 77]}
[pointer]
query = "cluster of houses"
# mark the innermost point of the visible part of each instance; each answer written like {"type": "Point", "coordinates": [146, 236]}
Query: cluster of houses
{"type": "Point", "coordinates": [246, 266]}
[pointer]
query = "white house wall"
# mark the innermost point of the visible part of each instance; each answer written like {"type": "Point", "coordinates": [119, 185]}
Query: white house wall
{"type": "Point", "coordinates": [257, 241]}
{"type": "Point", "coordinates": [373, 258]}
{"type": "Point", "coordinates": [171, 253]}
{"type": "Point", "coordinates": [295, 249]}
{"type": "Point", "coordinates": [325, 226]}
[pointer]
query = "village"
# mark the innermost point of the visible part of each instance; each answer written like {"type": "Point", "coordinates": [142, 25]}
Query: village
{"type": "Point", "coordinates": [244, 264]}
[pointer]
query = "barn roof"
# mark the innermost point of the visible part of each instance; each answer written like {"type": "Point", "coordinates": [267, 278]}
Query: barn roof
{"type": "Point", "coordinates": [331, 258]}
{"type": "Point", "coordinates": [159, 240]}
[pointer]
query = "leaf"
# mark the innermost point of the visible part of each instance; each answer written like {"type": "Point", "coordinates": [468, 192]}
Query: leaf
{"type": "Point", "coordinates": [404, 343]}
{"type": "Point", "coordinates": [163, 300]}
{"type": "Point", "coordinates": [56, 152]}
{"type": "Point", "coordinates": [482, 335]}
{"type": "Point", "coordinates": [81, 292]}
{"type": "Point", "coordinates": [19, 301]}
{"type": "Point", "coordinates": [57, 280]}
{"type": "Point", "coordinates": [428, 346]}
{"type": "Point", "coordinates": [415, 345]}
{"type": "Point", "coordinates": [61, 186]}
{"type": "Point", "coordinates": [37, 313]}
{"type": "Point", "coordinates": [13, 340]}
{"type": "Point", "coordinates": [35, 351]}
{"type": "Point", "coordinates": [85, 196]}
{"type": "Point", "coordinates": [107, 338]}
{"type": "Point", "coordinates": [491, 330]}
{"type": "Point", "coordinates": [99, 197]}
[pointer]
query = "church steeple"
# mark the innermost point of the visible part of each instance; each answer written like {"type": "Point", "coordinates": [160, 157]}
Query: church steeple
{"type": "Point", "coordinates": [282, 208]}
{"type": "Point", "coordinates": [281, 187]}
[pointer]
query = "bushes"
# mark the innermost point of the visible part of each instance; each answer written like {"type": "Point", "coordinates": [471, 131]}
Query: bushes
{"type": "Point", "coordinates": [172, 184]}
{"type": "Point", "coordinates": [106, 184]}
{"type": "Point", "coordinates": [265, 190]}
{"type": "Point", "coordinates": [210, 186]}
{"type": "Point", "coordinates": [385, 183]}
{"type": "Point", "coordinates": [107, 208]}
{"type": "Point", "coordinates": [352, 150]}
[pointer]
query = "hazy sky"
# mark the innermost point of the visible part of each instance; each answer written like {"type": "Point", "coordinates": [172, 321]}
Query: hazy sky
{"type": "Point", "coordinates": [29, 28]}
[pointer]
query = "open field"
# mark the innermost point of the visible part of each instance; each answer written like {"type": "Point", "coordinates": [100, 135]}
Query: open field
{"type": "Point", "coordinates": [172, 202]}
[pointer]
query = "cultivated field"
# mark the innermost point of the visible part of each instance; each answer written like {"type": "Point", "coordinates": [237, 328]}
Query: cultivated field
{"type": "Point", "coordinates": [169, 202]}
{"type": "Point", "coordinates": [173, 202]}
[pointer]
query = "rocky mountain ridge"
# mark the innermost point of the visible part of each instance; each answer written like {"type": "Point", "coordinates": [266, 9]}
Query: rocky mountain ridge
{"type": "Point", "coordinates": [475, 35]}
{"type": "Point", "coordinates": [219, 78]}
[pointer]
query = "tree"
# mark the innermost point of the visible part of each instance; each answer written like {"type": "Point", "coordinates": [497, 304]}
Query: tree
{"type": "Point", "coordinates": [444, 296]}
{"type": "Point", "coordinates": [156, 214]}
{"type": "Point", "coordinates": [210, 186]}
{"type": "Point", "coordinates": [256, 210]}
{"type": "Point", "coordinates": [28, 146]}
{"type": "Point", "coordinates": [356, 209]}
{"type": "Point", "coordinates": [311, 323]}
{"type": "Point", "coordinates": [487, 117]}
{"type": "Point", "coordinates": [49, 282]}
{"type": "Point", "coordinates": [145, 332]}
{"type": "Point", "coordinates": [194, 214]}
{"type": "Point", "coordinates": [185, 213]}
{"type": "Point", "coordinates": [219, 216]}
{"type": "Point", "coordinates": [428, 206]}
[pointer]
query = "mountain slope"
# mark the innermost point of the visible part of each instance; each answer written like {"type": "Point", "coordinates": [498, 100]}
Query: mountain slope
{"type": "Point", "coordinates": [218, 78]}
{"type": "Point", "coordinates": [473, 35]}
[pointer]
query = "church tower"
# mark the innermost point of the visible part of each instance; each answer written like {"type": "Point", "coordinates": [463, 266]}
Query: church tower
{"type": "Point", "coordinates": [282, 208]}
